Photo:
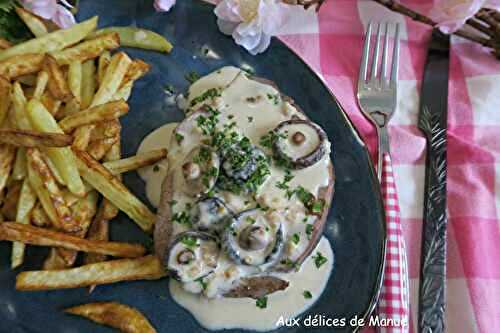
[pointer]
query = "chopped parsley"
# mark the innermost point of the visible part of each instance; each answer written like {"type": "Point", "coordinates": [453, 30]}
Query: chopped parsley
{"type": "Point", "coordinates": [203, 284]}
{"type": "Point", "coordinates": [250, 119]}
{"type": "Point", "coordinates": [231, 116]}
{"type": "Point", "coordinates": [288, 262]}
{"type": "Point", "coordinates": [261, 302]}
{"type": "Point", "coordinates": [210, 93]}
{"type": "Point", "coordinates": [319, 259]}
{"type": "Point", "coordinates": [156, 168]}
{"type": "Point", "coordinates": [189, 241]}
{"type": "Point", "coordinates": [295, 238]}
{"type": "Point", "coordinates": [307, 294]}
{"type": "Point", "coordinates": [170, 89]}
{"type": "Point", "coordinates": [270, 138]}
{"type": "Point", "coordinates": [173, 203]}
{"type": "Point", "coordinates": [179, 137]}
{"type": "Point", "coordinates": [183, 217]}
{"type": "Point", "coordinates": [309, 230]}
{"type": "Point", "coordinates": [250, 219]}
{"type": "Point", "coordinates": [207, 123]}
{"type": "Point", "coordinates": [315, 206]}
{"type": "Point", "coordinates": [274, 98]}
{"type": "Point", "coordinates": [192, 77]}
{"type": "Point", "coordinates": [283, 185]}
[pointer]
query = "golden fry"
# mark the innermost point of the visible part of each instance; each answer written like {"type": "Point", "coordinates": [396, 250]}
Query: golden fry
{"type": "Point", "coordinates": [4, 98]}
{"type": "Point", "coordinates": [98, 148]}
{"type": "Point", "coordinates": [105, 130]}
{"type": "Point", "coordinates": [28, 234]}
{"type": "Point", "coordinates": [88, 83]}
{"type": "Point", "coordinates": [120, 316]}
{"type": "Point", "coordinates": [135, 162]}
{"type": "Point", "coordinates": [87, 50]}
{"type": "Point", "coordinates": [140, 38]}
{"type": "Point", "coordinates": [109, 210]}
{"type": "Point", "coordinates": [53, 41]}
{"type": "Point", "coordinates": [19, 169]}
{"type": "Point", "coordinates": [19, 103]}
{"type": "Point", "coordinates": [104, 60]}
{"type": "Point", "coordinates": [75, 80]}
{"type": "Point", "coordinates": [103, 112]}
{"type": "Point", "coordinates": [33, 22]}
{"type": "Point", "coordinates": [48, 192]}
{"type": "Point", "coordinates": [51, 104]}
{"type": "Point", "coordinates": [99, 230]}
{"type": "Point", "coordinates": [17, 66]}
{"type": "Point", "coordinates": [113, 190]}
{"type": "Point", "coordinates": [7, 155]}
{"type": "Point", "coordinates": [137, 69]}
{"type": "Point", "coordinates": [58, 86]}
{"type": "Point", "coordinates": [144, 268]}
{"type": "Point", "coordinates": [26, 202]}
{"type": "Point", "coordinates": [29, 138]}
{"type": "Point", "coordinates": [62, 158]}
{"type": "Point", "coordinates": [38, 216]}
{"type": "Point", "coordinates": [41, 82]}
{"type": "Point", "coordinates": [124, 92]}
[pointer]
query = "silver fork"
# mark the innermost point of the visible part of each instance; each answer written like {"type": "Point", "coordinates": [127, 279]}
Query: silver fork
{"type": "Point", "coordinates": [377, 94]}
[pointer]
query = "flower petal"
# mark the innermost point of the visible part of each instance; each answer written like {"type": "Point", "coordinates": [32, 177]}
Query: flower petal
{"type": "Point", "coordinates": [63, 18]}
{"type": "Point", "coordinates": [226, 27]}
{"type": "Point", "coordinates": [452, 14]}
{"type": "Point", "coordinates": [42, 8]}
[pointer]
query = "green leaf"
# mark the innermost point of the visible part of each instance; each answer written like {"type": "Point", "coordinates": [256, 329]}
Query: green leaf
{"type": "Point", "coordinates": [319, 259]}
{"type": "Point", "coordinates": [307, 294]}
{"type": "Point", "coordinates": [261, 302]}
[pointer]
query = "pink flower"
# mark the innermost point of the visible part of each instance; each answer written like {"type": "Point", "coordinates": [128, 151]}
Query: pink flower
{"type": "Point", "coordinates": [51, 10]}
{"type": "Point", "coordinates": [163, 5]}
{"type": "Point", "coordinates": [452, 14]}
{"type": "Point", "coordinates": [252, 23]}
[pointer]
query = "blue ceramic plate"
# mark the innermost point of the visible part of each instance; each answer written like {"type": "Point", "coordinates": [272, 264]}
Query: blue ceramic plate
{"type": "Point", "coordinates": [355, 225]}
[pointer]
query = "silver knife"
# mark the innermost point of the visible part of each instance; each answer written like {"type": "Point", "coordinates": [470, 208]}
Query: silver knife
{"type": "Point", "coordinates": [432, 122]}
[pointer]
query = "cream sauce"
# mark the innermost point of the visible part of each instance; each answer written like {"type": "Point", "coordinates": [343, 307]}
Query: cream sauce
{"type": "Point", "coordinates": [227, 313]}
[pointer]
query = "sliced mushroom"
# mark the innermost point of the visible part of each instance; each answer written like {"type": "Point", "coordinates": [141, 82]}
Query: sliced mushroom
{"type": "Point", "coordinates": [192, 255]}
{"type": "Point", "coordinates": [300, 142]}
{"type": "Point", "coordinates": [253, 239]}
{"type": "Point", "coordinates": [210, 214]}
{"type": "Point", "coordinates": [200, 170]}
{"type": "Point", "coordinates": [256, 287]}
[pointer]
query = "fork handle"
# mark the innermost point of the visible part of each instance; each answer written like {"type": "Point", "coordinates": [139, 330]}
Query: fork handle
{"type": "Point", "coordinates": [383, 148]}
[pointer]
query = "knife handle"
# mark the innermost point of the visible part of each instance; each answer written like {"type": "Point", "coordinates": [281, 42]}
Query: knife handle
{"type": "Point", "coordinates": [433, 266]}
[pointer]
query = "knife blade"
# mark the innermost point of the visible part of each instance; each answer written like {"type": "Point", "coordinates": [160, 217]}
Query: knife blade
{"type": "Point", "coordinates": [432, 122]}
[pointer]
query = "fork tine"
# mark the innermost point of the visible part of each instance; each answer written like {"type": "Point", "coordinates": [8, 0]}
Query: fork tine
{"type": "Point", "coordinates": [365, 55]}
{"type": "Point", "coordinates": [375, 54]}
{"type": "Point", "coordinates": [383, 72]}
{"type": "Point", "coordinates": [395, 59]}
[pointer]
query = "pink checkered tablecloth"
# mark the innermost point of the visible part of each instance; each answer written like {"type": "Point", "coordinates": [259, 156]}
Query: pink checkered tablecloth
{"type": "Point", "coordinates": [331, 43]}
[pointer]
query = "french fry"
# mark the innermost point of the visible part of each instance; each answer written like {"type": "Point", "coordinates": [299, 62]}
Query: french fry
{"type": "Point", "coordinates": [55, 172]}
{"type": "Point", "coordinates": [19, 169]}
{"type": "Point", "coordinates": [145, 268]}
{"type": "Point", "coordinates": [83, 211]}
{"type": "Point", "coordinates": [51, 104]}
{"type": "Point", "coordinates": [120, 316]}
{"type": "Point", "coordinates": [108, 129]}
{"type": "Point", "coordinates": [99, 230]}
{"type": "Point", "coordinates": [48, 192]}
{"type": "Point", "coordinates": [109, 210]}
{"type": "Point", "coordinates": [137, 69]}
{"type": "Point", "coordinates": [28, 234]}
{"type": "Point", "coordinates": [69, 108]}
{"type": "Point", "coordinates": [135, 162]}
{"type": "Point", "coordinates": [89, 49]}
{"type": "Point", "coordinates": [4, 44]}
{"type": "Point", "coordinates": [124, 92]}
{"type": "Point", "coordinates": [100, 113]}
{"type": "Point", "coordinates": [29, 138]}
{"type": "Point", "coordinates": [63, 158]}
{"type": "Point", "coordinates": [7, 155]}
{"type": "Point", "coordinates": [54, 261]}
{"type": "Point", "coordinates": [115, 72]}
{"type": "Point", "coordinates": [21, 65]}
{"type": "Point", "coordinates": [104, 60]}
{"type": "Point", "coordinates": [98, 148]}
{"type": "Point", "coordinates": [58, 86]}
{"type": "Point", "coordinates": [53, 41]}
{"type": "Point", "coordinates": [88, 83]}
{"type": "Point", "coordinates": [5, 98]}
{"type": "Point", "coordinates": [19, 104]}
{"type": "Point", "coordinates": [75, 80]}
{"type": "Point", "coordinates": [41, 82]}
{"type": "Point", "coordinates": [70, 198]}
{"type": "Point", "coordinates": [113, 190]}
{"type": "Point", "coordinates": [25, 204]}
{"type": "Point", "coordinates": [136, 37]}
{"type": "Point", "coordinates": [9, 207]}
{"type": "Point", "coordinates": [38, 216]}
{"type": "Point", "coordinates": [33, 22]}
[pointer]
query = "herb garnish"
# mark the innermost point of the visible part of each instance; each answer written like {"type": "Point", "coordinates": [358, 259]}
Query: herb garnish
{"type": "Point", "coordinates": [192, 77]}
{"type": "Point", "coordinates": [275, 98]}
{"type": "Point", "coordinates": [307, 294]}
{"type": "Point", "coordinates": [156, 168]}
{"type": "Point", "coordinates": [203, 284]}
{"type": "Point", "coordinates": [261, 302]}
{"type": "Point", "coordinates": [295, 238]}
{"type": "Point", "coordinates": [210, 93]}
{"type": "Point", "coordinates": [309, 230]}
{"type": "Point", "coordinates": [179, 137]}
{"type": "Point", "coordinates": [189, 241]}
{"type": "Point", "coordinates": [270, 138]}
{"type": "Point", "coordinates": [250, 119]}
{"type": "Point", "coordinates": [319, 259]}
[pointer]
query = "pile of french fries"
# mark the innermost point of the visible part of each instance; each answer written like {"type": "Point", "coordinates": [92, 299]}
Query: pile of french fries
{"type": "Point", "coordinates": [61, 97]}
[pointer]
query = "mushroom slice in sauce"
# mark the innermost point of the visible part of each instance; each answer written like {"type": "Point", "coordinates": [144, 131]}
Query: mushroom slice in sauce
{"type": "Point", "coordinates": [253, 239]}
{"type": "Point", "coordinates": [200, 170]}
{"type": "Point", "coordinates": [210, 214]}
{"type": "Point", "coordinates": [192, 255]}
{"type": "Point", "coordinates": [257, 287]}
{"type": "Point", "coordinates": [300, 142]}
